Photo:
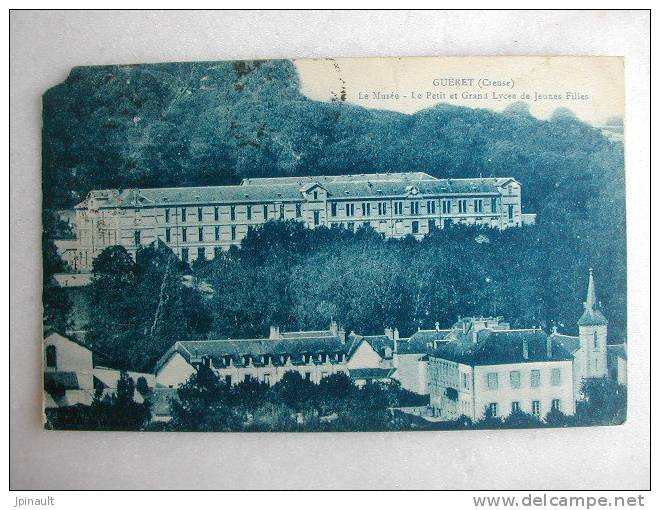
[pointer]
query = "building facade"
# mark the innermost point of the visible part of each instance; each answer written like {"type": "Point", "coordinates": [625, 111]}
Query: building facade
{"type": "Point", "coordinates": [198, 222]}
{"type": "Point", "coordinates": [500, 372]}
{"type": "Point", "coordinates": [313, 354]}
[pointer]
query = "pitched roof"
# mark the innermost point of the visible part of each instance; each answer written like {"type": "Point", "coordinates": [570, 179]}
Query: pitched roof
{"type": "Point", "coordinates": [217, 350]}
{"type": "Point", "coordinates": [424, 336]}
{"type": "Point", "coordinates": [290, 189]}
{"type": "Point", "coordinates": [306, 334]}
{"type": "Point", "coordinates": [592, 316]}
{"type": "Point", "coordinates": [323, 179]}
{"type": "Point", "coordinates": [502, 347]}
{"type": "Point", "coordinates": [378, 343]}
{"type": "Point", "coordinates": [371, 373]}
{"type": "Point", "coordinates": [570, 343]}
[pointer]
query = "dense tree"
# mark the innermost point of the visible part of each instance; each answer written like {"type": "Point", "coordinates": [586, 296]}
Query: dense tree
{"type": "Point", "coordinates": [56, 302]}
{"type": "Point", "coordinates": [604, 402]}
{"type": "Point", "coordinates": [141, 308]}
{"type": "Point", "coordinates": [216, 122]}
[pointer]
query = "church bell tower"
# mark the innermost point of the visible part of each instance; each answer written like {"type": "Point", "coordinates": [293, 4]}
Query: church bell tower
{"type": "Point", "coordinates": [593, 336]}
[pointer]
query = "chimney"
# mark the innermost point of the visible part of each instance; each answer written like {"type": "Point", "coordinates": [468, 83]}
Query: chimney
{"type": "Point", "coordinates": [274, 333]}
{"type": "Point", "coordinates": [554, 329]}
{"type": "Point", "coordinates": [548, 346]}
{"type": "Point", "coordinates": [464, 327]}
{"type": "Point", "coordinates": [389, 333]}
{"type": "Point", "coordinates": [437, 326]}
{"type": "Point", "coordinates": [396, 334]}
{"type": "Point", "coordinates": [333, 328]}
{"type": "Point", "coordinates": [525, 349]}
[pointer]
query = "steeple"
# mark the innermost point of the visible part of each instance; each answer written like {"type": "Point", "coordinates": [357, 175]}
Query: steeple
{"type": "Point", "coordinates": [592, 316]}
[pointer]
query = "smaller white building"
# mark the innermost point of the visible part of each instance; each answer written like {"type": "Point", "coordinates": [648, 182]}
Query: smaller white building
{"type": "Point", "coordinates": [500, 371]}
{"type": "Point", "coordinates": [313, 354]}
{"type": "Point", "coordinates": [68, 372]}
{"type": "Point", "coordinates": [71, 378]}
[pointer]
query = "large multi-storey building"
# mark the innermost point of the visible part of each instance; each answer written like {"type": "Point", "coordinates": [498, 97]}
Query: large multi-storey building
{"type": "Point", "coordinates": [200, 221]}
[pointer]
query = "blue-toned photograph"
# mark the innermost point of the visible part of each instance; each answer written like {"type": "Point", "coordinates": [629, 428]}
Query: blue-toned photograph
{"type": "Point", "coordinates": [335, 245]}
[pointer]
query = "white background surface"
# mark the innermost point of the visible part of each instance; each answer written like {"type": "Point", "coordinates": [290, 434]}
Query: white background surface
{"type": "Point", "coordinates": [45, 45]}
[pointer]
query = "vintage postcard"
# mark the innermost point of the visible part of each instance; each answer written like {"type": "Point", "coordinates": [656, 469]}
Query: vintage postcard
{"type": "Point", "coordinates": [335, 245]}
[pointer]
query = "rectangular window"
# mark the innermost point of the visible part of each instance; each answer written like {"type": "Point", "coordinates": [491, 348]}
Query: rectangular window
{"type": "Point", "coordinates": [217, 233]}
{"type": "Point", "coordinates": [414, 207]}
{"type": "Point", "coordinates": [466, 381]}
{"type": "Point", "coordinates": [514, 378]}
{"type": "Point", "coordinates": [167, 215]}
{"type": "Point", "coordinates": [184, 254]}
{"type": "Point", "coordinates": [317, 218]}
{"type": "Point", "coordinates": [308, 376]}
{"type": "Point", "coordinates": [281, 211]}
{"type": "Point", "coordinates": [556, 404]}
{"type": "Point", "coordinates": [217, 251]}
{"type": "Point", "coordinates": [382, 208]}
{"type": "Point", "coordinates": [232, 213]}
{"type": "Point", "coordinates": [298, 210]}
{"type": "Point", "coordinates": [430, 206]}
{"type": "Point", "coordinates": [184, 234]}
{"type": "Point", "coordinates": [249, 212]}
{"type": "Point", "coordinates": [536, 407]}
{"type": "Point", "coordinates": [216, 213]}
{"type": "Point", "coordinates": [510, 213]}
{"type": "Point", "coordinates": [462, 206]}
{"type": "Point", "coordinates": [168, 235]}
{"type": "Point", "coordinates": [535, 378]}
{"type": "Point", "coordinates": [493, 204]}
{"type": "Point", "coordinates": [199, 214]}
{"type": "Point", "coordinates": [333, 208]}
{"type": "Point", "coordinates": [492, 409]}
{"type": "Point", "coordinates": [415, 227]}
{"type": "Point", "coordinates": [398, 207]}
{"type": "Point", "coordinates": [201, 234]}
{"type": "Point", "coordinates": [247, 377]}
{"type": "Point", "coordinates": [350, 210]}
{"type": "Point", "coordinates": [138, 237]}
{"type": "Point", "coordinates": [446, 206]}
{"type": "Point", "coordinates": [515, 407]}
{"type": "Point", "coordinates": [491, 380]}
{"type": "Point", "coordinates": [201, 254]}
{"type": "Point", "coordinates": [556, 376]}
{"type": "Point", "coordinates": [233, 232]}
{"type": "Point", "coordinates": [316, 195]}
{"type": "Point", "coordinates": [478, 206]}
{"type": "Point", "coordinates": [595, 340]}
{"type": "Point", "coordinates": [183, 215]}
{"type": "Point", "coordinates": [366, 209]}
{"type": "Point", "coordinates": [51, 356]}
{"type": "Point", "coordinates": [228, 380]}
{"type": "Point", "coordinates": [265, 212]}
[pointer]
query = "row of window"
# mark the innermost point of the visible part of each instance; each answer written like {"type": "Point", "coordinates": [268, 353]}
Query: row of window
{"type": "Point", "coordinates": [492, 379]}
{"type": "Point", "coordinates": [187, 213]}
{"type": "Point", "coordinates": [494, 410]}
{"type": "Point", "coordinates": [398, 205]}
{"type": "Point", "coordinates": [349, 209]}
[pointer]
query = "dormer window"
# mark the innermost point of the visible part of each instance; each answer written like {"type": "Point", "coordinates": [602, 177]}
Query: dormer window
{"type": "Point", "coordinates": [316, 195]}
